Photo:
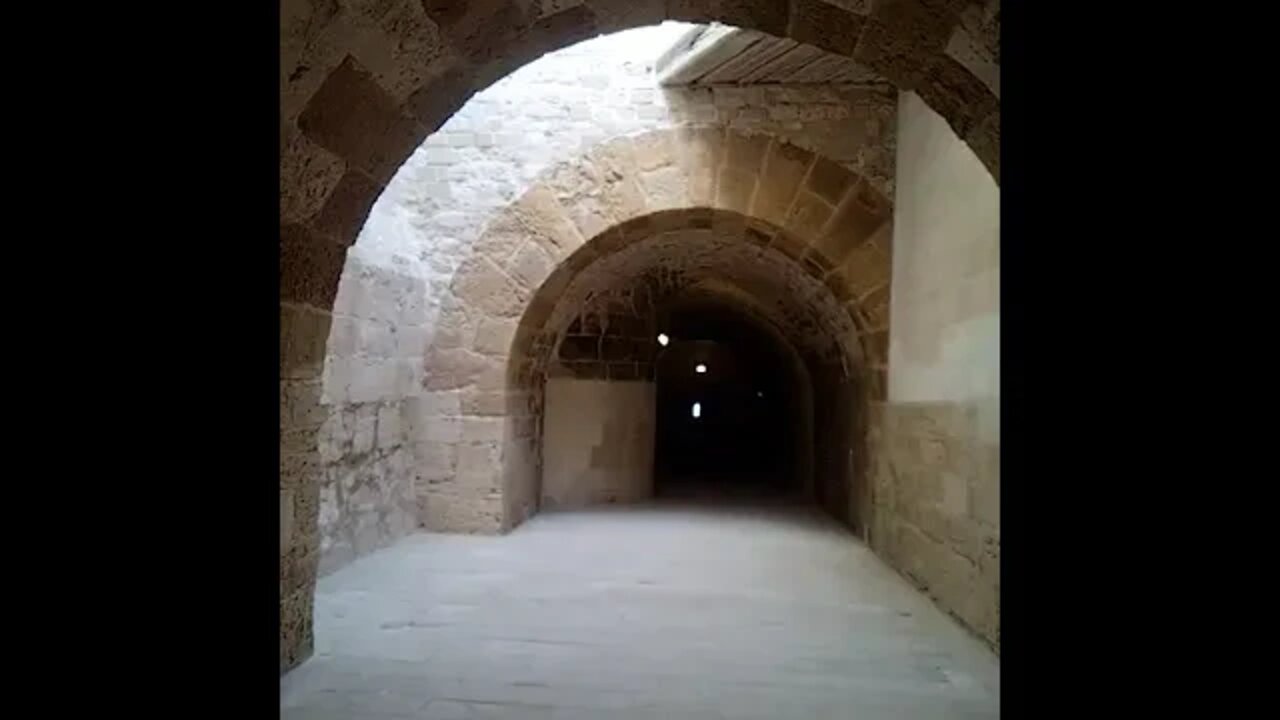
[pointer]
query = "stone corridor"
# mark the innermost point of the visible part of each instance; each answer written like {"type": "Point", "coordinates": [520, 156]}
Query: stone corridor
{"type": "Point", "coordinates": [665, 610]}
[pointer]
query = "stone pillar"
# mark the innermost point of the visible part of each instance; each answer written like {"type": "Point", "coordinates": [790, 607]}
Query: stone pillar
{"type": "Point", "coordinates": [303, 331]}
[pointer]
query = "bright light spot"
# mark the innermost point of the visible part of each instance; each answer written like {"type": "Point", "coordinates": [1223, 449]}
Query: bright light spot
{"type": "Point", "coordinates": [697, 410]}
{"type": "Point", "coordinates": [700, 368]}
{"type": "Point", "coordinates": [663, 339]}
{"type": "Point", "coordinates": [759, 393]}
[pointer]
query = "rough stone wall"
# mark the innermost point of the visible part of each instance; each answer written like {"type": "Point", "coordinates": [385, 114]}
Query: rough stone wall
{"type": "Point", "coordinates": [447, 213]}
{"type": "Point", "coordinates": [363, 83]}
{"type": "Point", "coordinates": [567, 102]}
{"type": "Point", "coordinates": [613, 337]}
{"type": "Point", "coordinates": [393, 292]}
{"type": "Point", "coordinates": [374, 364]}
{"type": "Point", "coordinates": [597, 442]}
{"type": "Point", "coordinates": [303, 331]}
{"type": "Point", "coordinates": [937, 486]}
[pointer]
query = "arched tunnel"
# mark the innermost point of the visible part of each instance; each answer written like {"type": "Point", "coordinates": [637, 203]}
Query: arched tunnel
{"type": "Point", "coordinates": [591, 404]}
{"type": "Point", "coordinates": [734, 406]}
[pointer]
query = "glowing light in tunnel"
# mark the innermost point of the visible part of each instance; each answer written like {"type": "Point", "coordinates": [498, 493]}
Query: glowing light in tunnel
{"type": "Point", "coordinates": [663, 339]}
{"type": "Point", "coordinates": [697, 410]}
{"type": "Point", "coordinates": [700, 368]}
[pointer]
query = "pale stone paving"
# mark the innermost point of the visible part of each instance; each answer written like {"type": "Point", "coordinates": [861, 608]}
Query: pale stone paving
{"type": "Point", "coordinates": [657, 611]}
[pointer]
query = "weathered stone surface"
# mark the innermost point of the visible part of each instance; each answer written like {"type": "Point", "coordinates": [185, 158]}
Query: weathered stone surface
{"type": "Point", "coordinates": [861, 215]}
{"type": "Point", "coordinates": [543, 217]}
{"type": "Point", "coordinates": [808, 214]}
{"type": "Point", "coordinates": [311, 45]}
{"type": "Point", "coordinates": [701, 151]}
{"type": "Point", "coordinates": [453, 369]}
{"type": "Point", "coordinates": [309, 267]}
{"type": "Point", "coordinates": [769, 16]}
{"type": "Point", "coordinates": [901, 36]}
{"type": "Point", "coordinates": [735, 190]}
{"type": "Point", "coordinates": [784, 169]}
{"type": "Point", "coordinates": [308, 173]}
{"type": "Point", "coordinates": [303, 332]}
{"type": "Point", "coordinates": [829, 180]}
{"type": "Point", "coordinates": [482, 285]}
{"type": "Point", "coordinates": [441, 96]}
{"type": "Point", "coordinates": [297, 638]}
{"type": "Point", "coordinates": [482, 159]}
{"type": "Point", "coordinates": [612, 16]}
{"type": "Point", "coordinates": [824, 25]}
{"type": "Point", "coordinates": [868, 265]}
{"type": "Point", "coordinates": [665, 188]}
{"type": "Point", "coordinates": [347, 207]}
{"type": "Point", "coordinates": [875, 307]}
{"type": "Point", "coordinates": [493, 337]}
{"type": "Point", "coordinates": [354, 117]}
{"type": "Point", "coordinates": [984, 139]}
{"type": "Point", "coordinates": [976, 58]}
{"type": "Point", "coordinates": [402, 49]}
{"type": "Point", "coordinates": [953, 92]}
{"type": "Point", "coordinates": [745, 153]}
{"type": "Point", "coordinates": [531, 265]}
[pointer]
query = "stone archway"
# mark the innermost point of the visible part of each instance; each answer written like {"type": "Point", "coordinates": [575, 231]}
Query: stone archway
{"type": "Point", "coordinates": [363, 83]}
{"type": "Point", "coordinates": [492, 340]}
{"type": "Point", "coordinates": [368, 81]}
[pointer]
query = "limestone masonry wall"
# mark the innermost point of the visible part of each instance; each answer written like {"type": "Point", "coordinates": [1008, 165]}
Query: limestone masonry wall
{"type": "Point", "coordinates": [394, 437]}
{"type": "Point", "coordinates": [598, 442]}
{"type": "Point", "coordinates": [363, 83]}
{"type": "Point", "coordinates": [937, 482]}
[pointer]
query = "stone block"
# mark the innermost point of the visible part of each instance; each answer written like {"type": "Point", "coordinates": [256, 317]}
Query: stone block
{"type": "Point", "coordinates": [531, 265]}
{"type": "Point", "coordinates": [654, 150]}
{"type": "Point", "coordinates": [347, 207]}
{"type": "Point", "coordinates": [366, 428]}
{"type": "Point", "coordinates": [390, 430]}
{"type": "Point", "coordinates": [868, 265]}
{"type": "Point", "coordinates": [956, 94]}
{"type": "Point", "coordinates": [744, 152]}
{"type": "Point", "coordinates": [304, 332]}
{"type": "Point", "coordinates": [442, 95]}
{"type": "Point", "coordinates": [984, 486]}
{"type": "Point", "coordinates": [665, 188]}
{"type": "Point", "coordinates": [701, 152]}
{"type": "Point", "coordinates": [735, 190]}
{"type": "Point", "coordinates": [984, 140]}
{"type": "Point", "coordinates": [352, 116]}
{"type": "Point", "coordinates": [475, 402]}
{"type": "Point", "coordinates": [785, 167]}
{"type": "Point", "coordinates": [453, 369]}
{"type": "Point", "coordinates": [900, 37]}
{"type": "Point", "coordinates": [767, 16]}
{"type": "Point", "coordinates": [482, 429]}
{"type": "Point", "coordinates": [493, 336]}
{"type": "Point", "coordinates": [874, 307]}
{"type": "Point", "coordinates": [297, 638]}
{"type": "Point", "coordinates": [308, 174]}
{"type": "Point", "coordinates": [546, 221]}
{"type": "Point", "coordinates": [823, 25]}
{"type": "Point", "coordinates": [310, 267]}
{"type": "Point", "coordinates": [299, 469]}
{"type": "Point", "coordinates": [808, 215]}
{"type": "Point", "coordinates": [312, 43]}
{"type": "Point", "coordinates": [481, 285]}
{"type": "Point", "coordinates": [612, 16]}
{"type": "Point", "coordinates": [829, 180]}
{"type": "Point", "coordinates": [403, 50]}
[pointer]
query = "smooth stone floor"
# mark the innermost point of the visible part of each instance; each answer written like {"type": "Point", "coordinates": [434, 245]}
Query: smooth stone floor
{"type": "Point", "coordinates": [667, 610]}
